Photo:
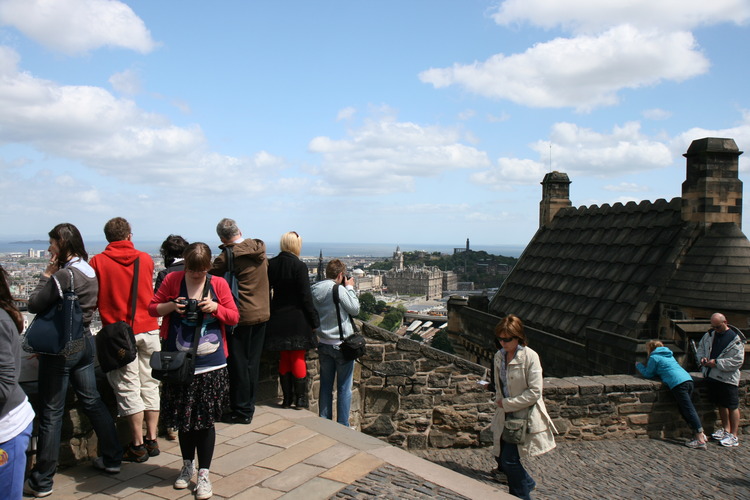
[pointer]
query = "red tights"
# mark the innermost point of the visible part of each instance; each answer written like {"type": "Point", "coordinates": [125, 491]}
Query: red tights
{"type": "Point", "coordinates": [293, 361]}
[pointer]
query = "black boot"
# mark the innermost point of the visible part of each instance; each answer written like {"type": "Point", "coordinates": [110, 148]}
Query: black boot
{"type": "Point", "coordinates": [287, 388]}
{"type": "Point", "coordinates": [300, 392]}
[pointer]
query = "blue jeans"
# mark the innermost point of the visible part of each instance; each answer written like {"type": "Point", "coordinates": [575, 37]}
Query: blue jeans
{"type": "Point", "coordinates": [333, 365]}
{"type": "Point", "coordinates": [245, 348]}
{"type": "Point", "coordinates": [683, 394]}
{"type": "Point", "coordinates": [55, 372]}
{"type": "Point", "coordinates": [520, 483]}
{"type": "Point", "coordinates": [14, 469]}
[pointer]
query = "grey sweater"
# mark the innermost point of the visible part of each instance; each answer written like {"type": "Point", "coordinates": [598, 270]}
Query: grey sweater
{"type": "Point", "coordinates": [11, 394]}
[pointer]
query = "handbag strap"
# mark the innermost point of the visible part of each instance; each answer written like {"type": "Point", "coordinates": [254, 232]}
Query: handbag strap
{"type": "Point", "coordinates": [338, 311]}
{"type": "Point", "coordinates": [134, 290]}
{"type": "Point", "coordinates": [199, 321]}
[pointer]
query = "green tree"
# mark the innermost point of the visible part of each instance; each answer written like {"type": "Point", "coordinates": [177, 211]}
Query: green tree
{"type": "Point", "coordinates": [442, 342]}
{"type": "Point", "coordinates": [367, 302]}
{"type": "Point", "coordinates": [417, 337]}
{"type": "Point", "coordinates": [363, 315]}
{"type": "Point", "coordinates": [380, 307]}
{"type": "Point", "coordinates": [392, 320]}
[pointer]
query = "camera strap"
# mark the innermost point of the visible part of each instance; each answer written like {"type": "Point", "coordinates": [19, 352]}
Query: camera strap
{"type": "Point", "coordinates": [199, 320]}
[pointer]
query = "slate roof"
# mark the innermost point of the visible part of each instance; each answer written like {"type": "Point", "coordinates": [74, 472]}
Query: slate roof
{"type": "Point", "coordinates": [606, 267]}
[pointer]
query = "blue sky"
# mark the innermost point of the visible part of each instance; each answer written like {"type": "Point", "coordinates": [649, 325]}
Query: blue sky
{"type": "Point", "coordinates": [403, 122]}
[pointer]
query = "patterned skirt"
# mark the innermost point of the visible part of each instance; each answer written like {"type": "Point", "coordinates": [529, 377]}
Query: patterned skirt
{"type": "Point", "coordinates": [198, 405]}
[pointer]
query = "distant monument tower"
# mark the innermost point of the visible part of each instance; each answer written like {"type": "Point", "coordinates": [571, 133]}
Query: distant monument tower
{"type": "Point", "coordinates": [555, 196]}
{"type": "Point", "coordinates": [321, 269]}
{"type": "Point", "coordinates": [467, 244]}
{"type": "Point", "coordinates": [712, 191]}
{"type": "Point", "coordinates": [398, 259]}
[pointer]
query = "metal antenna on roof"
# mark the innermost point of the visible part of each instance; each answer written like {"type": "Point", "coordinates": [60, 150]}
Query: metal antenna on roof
{"type": "Point", "coordinates": [550, 156]}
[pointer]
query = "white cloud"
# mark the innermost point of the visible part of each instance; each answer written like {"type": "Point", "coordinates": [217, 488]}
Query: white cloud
{"type": "Point", "coordinates": [580, 151]}
{"type": "Point", "coordinates": [346, 113]}
{"type": "Point", "coordinates": [510, 171]}
{"type": "Point", "coordinates": [385, 156]}
{"type": "Point", "coordinates": [657, 114]}
{"type": "Point", "coordinates": [596, 15]}
{"type": "Point", "coordinates": [583, 72]}
{"type": "Point", "coordinates": [126, 82]}
{"type": "Point", "coordinates": [117, 139]}
{"type": "Point", "coordinates": [740, 133]}
{"type": "Point", "coordinates": [466, 114]}
{"type": "Point", "coordinates": [78, 26]}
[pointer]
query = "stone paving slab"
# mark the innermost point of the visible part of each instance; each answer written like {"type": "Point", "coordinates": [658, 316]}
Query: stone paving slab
{"type": "Point", "coordinates": [285, 454]}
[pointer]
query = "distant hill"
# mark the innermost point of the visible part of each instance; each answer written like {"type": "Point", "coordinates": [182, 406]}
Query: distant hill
{"type": "Point", "coordinates": [29, 242]}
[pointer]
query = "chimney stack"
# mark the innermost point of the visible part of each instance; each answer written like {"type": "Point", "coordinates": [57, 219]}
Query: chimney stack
{"type": "Point", "coordinates": [555, 196]}
{"type": "Point", "coordinates": [712, 191]}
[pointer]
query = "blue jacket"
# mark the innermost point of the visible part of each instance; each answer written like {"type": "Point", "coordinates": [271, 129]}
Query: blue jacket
{"type": "Point", "coordinates": [661, 363]}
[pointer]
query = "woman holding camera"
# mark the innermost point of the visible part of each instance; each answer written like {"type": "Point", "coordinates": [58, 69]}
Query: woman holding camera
{"type": "Point", "coordinates": [188, 300]}
{"type": "Point", "coordinates": [293, 319]}
{"type": "Point", "coordinates": [69, 258]}
{"type": "Point", "coordinates": [518, 377]}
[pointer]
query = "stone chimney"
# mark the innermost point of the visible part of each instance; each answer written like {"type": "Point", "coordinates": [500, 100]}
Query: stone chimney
{"type": "Point", "coordinates": [555, 195]}
{"type": "Point", "coordinates": [712, 191]}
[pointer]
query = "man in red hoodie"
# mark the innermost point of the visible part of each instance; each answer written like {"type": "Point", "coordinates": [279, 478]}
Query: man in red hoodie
{"type": "Point", "coordinates": [137, 392]}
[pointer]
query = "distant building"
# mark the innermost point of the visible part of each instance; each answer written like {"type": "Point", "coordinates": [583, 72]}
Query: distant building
{"type": "Point", "coordinates": [450, 280]}
{"type": "Point", "coordinates": [595, 283]}
{"type": "Point", "coordinates": [426, 280]}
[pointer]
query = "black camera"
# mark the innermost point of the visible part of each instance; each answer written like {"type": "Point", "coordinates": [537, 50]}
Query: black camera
{"type": "Point", "coordinates": [191, 309]}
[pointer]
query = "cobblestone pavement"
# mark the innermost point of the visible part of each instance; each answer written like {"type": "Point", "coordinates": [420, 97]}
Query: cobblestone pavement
{"type": "Point", "coordinates": [393, 482]}
{"type": "Point", "coordinates": [635, 468]}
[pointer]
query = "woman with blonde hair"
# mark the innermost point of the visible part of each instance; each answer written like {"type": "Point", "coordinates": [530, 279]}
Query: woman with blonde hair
{"type": "Point", "coordinates": [661, 363]}
{"type": "Point", "coordinates": [293, 319]}
{"type": "Point", "coordinates": [519, 382]}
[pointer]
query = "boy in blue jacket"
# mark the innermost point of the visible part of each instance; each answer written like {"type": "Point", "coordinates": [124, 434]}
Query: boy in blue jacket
{"type": "Point", "coordinates": [661, 363]}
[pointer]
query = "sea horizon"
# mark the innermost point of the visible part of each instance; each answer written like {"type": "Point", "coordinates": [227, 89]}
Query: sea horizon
{"type": "Point", "coordinates": [310, 249]}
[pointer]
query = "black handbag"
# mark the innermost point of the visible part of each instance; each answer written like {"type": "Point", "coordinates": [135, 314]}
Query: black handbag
{"type": "Point", "coordinates": [354, 346]}
{"type": "Point", "coordinates": [115, 343]}
{"type": "Point", "coordinates": [178, 367]}
{"type": "Point", "coordinates": [58, 330]}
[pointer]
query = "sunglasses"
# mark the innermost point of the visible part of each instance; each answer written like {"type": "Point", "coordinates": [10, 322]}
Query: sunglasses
{"type": "Point", "coordinates": [503, 339]}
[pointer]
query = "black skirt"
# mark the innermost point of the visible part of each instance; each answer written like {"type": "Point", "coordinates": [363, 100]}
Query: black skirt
{"type": "Point", "coordinates": [198, 405]}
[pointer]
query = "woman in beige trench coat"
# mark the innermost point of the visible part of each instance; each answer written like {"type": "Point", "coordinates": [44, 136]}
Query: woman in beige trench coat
{"type": "Point", "coordinates": [518, 378]}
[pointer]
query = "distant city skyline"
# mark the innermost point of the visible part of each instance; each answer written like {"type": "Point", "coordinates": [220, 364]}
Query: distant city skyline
{"type": "Point", "coordinates": [390, 121]}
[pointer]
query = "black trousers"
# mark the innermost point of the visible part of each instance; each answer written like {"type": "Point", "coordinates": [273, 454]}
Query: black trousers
{"type": "Point", "coordinates": [245, 347]}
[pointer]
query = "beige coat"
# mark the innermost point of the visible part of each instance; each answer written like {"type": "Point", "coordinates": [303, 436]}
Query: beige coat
{"type": "Point", "coordinates": [525, 384]}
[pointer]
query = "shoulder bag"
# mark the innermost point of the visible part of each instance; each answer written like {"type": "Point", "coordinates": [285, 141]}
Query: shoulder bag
{"type": "Point", "coordinates": [59, 330]}
{"type": "Point", "coordinates": [516, 430]}
{"type": "Point", "coordinates": [178, 367]}
{"type": "Point", "coordinates": [115, 343]}
{"type": "Point", "coordinates": [354, 346]}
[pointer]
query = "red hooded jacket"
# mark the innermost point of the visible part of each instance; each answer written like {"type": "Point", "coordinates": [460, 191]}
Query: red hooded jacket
{"type": "Point", "coordinates": [114, 268]}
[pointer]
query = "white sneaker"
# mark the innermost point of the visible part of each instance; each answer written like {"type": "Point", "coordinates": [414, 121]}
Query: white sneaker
{"type": "Point", "coordinates": [719, 434]}
{"type": "Point", "coordinates": [696, 445]}
{"type": "Point", "coordinates": [186, 474]}
{"type": "Point", "coordinates": [730, 440]}
{"type": "Point", "coordinates": [203, 491]}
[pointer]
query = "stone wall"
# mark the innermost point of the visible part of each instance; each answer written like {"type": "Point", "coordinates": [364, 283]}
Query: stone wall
{"type": "Point", "coordinates": [624, 406]}
{"type": "Point", "coordinates": [417, 397]}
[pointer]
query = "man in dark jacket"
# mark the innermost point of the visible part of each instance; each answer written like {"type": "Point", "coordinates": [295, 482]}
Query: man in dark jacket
{"type": "Point", "coordinates": [250, 269]}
